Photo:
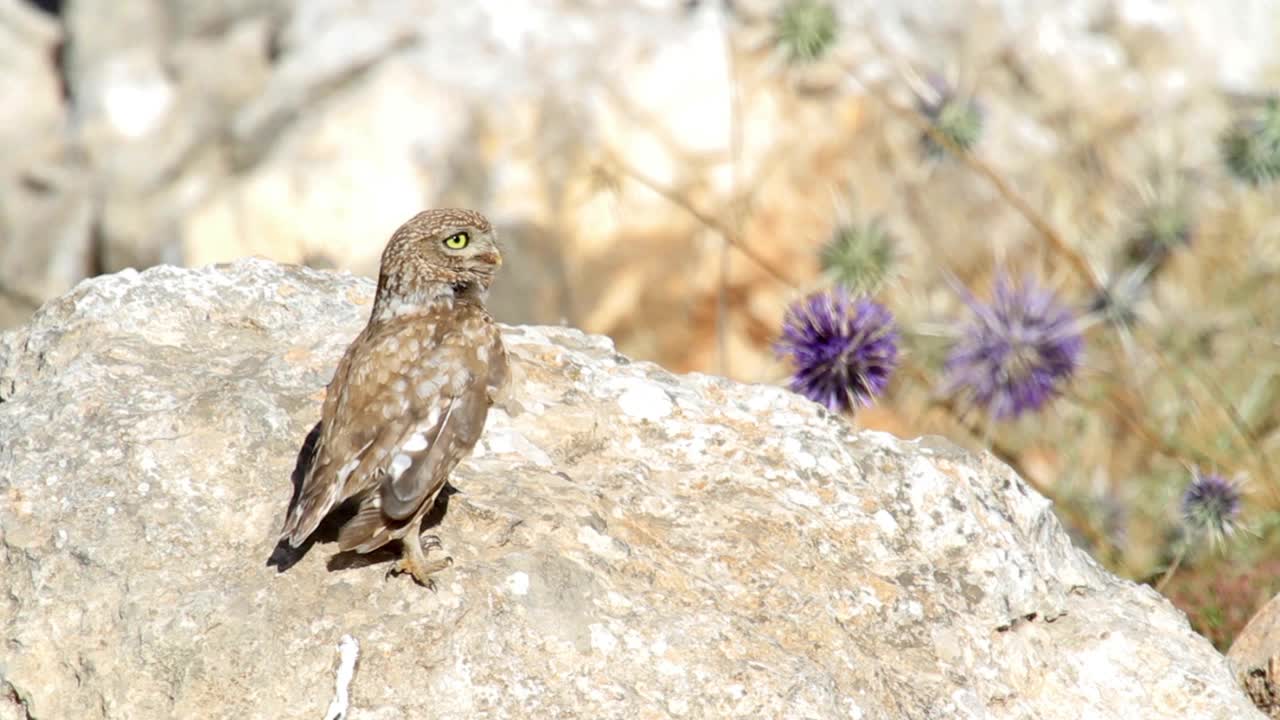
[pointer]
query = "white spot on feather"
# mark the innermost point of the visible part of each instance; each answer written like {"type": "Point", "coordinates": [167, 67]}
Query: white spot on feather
{"type": "Point", "coordinates": [346, 470]}
{"type": "Point", "coordinates": [427, 388]}
{"type": "Point", "coordinates": [399, 464]}
{"type": "Point", "coordinates": [416, 442]}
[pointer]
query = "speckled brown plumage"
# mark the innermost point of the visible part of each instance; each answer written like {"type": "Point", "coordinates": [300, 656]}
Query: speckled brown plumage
{"type": "Point", "coordinates": [409, 398]}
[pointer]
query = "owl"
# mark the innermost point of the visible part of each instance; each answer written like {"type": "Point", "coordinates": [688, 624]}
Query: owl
{"type": "Point", "coordinates": [409, 398]}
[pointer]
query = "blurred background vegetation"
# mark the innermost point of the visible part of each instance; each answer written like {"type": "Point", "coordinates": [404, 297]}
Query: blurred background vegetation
{"type": "Point", "coordinates": [677, 174]}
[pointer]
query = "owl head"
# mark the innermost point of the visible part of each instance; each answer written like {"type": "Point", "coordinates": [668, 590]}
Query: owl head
{"type": "Point", "coordinates": [446, 251]}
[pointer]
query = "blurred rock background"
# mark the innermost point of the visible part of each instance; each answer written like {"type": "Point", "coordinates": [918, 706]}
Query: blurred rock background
{"type": "Point", "coordinates": [622, 146]}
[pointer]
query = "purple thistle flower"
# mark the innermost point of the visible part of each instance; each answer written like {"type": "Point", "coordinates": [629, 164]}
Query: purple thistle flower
{"type": "Point", "coordinates": [1018, 351]}
{"type": "Point", "coordinates": [1211, 503]}
{"type": "Point", "coordinates": [843, 349]}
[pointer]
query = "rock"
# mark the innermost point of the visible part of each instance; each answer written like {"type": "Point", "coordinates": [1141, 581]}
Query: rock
{"type": "Point", "coordinates": [1255, 656]}
{"type": "Point", "coordinates": [153, 97]}
{"type": "Point", "coordinates": [30, 90]}
{"type": "Point", "coordinates": [628, 543]}
{"type": "Point", "coordinates": [46, 233]}
{"type": "Point", "coordinates": [45, 208]}
{"type": "Point", "coordinates": [1259, 641]}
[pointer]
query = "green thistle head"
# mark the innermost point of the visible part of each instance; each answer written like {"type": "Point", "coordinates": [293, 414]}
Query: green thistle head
{"type": "Point", "coordinates": [806, 29]}
{"type": "Point", "coordinates": [958, 119]}
{"type": "Point", "coordinates": [860, 257]}
{"type": "Point", "coordinates": [1251, 149]}
{"type": "Point", "coordinates": [1162, 227]}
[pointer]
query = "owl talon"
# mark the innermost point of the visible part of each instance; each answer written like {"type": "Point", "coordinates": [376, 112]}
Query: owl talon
{"type": "Point", "coordinates": [421, 574]}
{"type": "Point", "coordinates": [413, 558]}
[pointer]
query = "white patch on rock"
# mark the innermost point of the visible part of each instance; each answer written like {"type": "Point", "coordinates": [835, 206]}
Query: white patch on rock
{"type": "Point", "coordinates": [602, 640]}
{"type": "Point", "coordinates": [348, 654]}
{"type": "Point", "coordinates": [645, 401]}
{"type": "Point", "coordinates": [885, 522]}
{"type": "Point", "coordinates": [518, 583]}
{"type": "Point", "coordinates": [803, 498]}
{"type": "Point", "coordinates": [666, 667]}
{"type": "Point", "coordinates": [598, 542]}
{"type": "Point", "coordinates": [507, 440]}
{"type": "Point", "coordinates": [137, 94]}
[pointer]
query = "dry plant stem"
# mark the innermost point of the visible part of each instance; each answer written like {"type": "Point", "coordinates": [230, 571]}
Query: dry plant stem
{"type": "Point", "coordinates": [736, 210]}
{"type": "Point", "coordinates": [1173, 568]}
{"type": "Point", "coordinates": [1237, 422]}
{"type": "Point", "coordinates": [1015, 200]}
{"type": "Point", "coordinates": [709, 221]}
{"type": "Point", "coordinates": [1218, 396]}
{"type": "Point", "coordinates": [1154, 442]}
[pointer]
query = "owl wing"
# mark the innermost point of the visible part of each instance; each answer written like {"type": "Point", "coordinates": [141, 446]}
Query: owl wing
{"type": "Point", "coordinates": [340, 442]}
{"type": "Point", "coordinates": [369, 404]}
{"type": "Point", "coordinates": [441, 432]}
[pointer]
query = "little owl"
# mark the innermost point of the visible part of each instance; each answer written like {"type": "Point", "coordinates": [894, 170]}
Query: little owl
{"type": "Point", "coordinates": [409, 398]}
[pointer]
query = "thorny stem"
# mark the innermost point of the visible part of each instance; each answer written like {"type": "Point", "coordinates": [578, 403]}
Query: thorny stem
{"type": "Point", "coordinates": [974, 163]}
{"type": "Point", "coordinates": [1236, 420]}
{"type": "Point", "coordinates": [1173, 567]}
{"type": "Point", "coordinates": [736, 210]}
{"type": "Point", "coordinates": [709, 221]}
{"type": "Point", "coordinates": [1155, 442]}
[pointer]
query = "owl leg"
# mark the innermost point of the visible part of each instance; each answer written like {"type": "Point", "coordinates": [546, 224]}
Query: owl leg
{"type": "Point", "coordinates": [413, 558]}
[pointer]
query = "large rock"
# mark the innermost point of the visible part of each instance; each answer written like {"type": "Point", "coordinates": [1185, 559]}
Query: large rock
{"type": "Point", "coordinates": [45, 210]}
{"type": "Point", "coordinates": [628, 543]}
{"type": "Point", "coordinates": [1255, 656]}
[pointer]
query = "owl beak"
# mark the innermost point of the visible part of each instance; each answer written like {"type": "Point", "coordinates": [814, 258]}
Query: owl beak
{"type": "Point", "coordinates": [494, 258]}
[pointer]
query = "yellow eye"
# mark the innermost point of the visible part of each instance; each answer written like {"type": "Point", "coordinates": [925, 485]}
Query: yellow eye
{"type": "Point", "coordinates": [457, 241]}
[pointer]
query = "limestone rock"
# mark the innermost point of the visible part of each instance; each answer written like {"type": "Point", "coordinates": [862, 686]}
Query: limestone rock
{"type": "Point", "coordinates": [30, 90]}
{"type": "Point", "coordinates": [1255, 656]}
{"type": "Point", "coordinates": [45, 208]}
{"type": "Point", "coordinates": [628, 543]}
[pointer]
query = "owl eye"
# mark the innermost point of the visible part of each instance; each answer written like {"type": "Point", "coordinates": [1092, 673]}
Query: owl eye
{"type": "Point", "coordinates": [457, 241]}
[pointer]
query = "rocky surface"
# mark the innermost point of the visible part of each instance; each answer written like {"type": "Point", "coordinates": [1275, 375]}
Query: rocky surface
{"type": "Point", "coordinates": [629, 543]}
{"type": "Point", "coordinates": [45, 208]}
{"type": "Point", "coordinates": [1255, 656]}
